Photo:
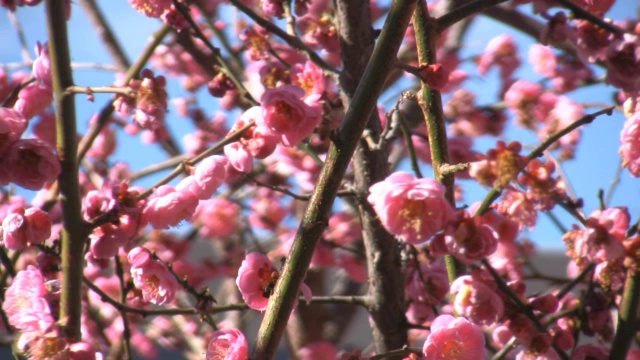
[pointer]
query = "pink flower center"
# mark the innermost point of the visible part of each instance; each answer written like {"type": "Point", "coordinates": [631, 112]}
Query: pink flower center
{"type": "Point", "coordinates": [152, 283]}
{"type": "Point", "coordinates": [282, 114]}
{"type": "Point", "coordinates": [452, 349]}
{"type": "Point", "coordinates": [413, 212]}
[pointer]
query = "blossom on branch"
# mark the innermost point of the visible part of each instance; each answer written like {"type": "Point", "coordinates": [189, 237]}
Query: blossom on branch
{"type": "Point", "coordinates": [410, 208]}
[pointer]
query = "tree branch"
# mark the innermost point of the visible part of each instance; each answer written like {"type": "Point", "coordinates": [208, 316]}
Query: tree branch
{"type": "Point", "coordinates": [73, 234]}
{"type": "Point", "coordinates": [339, 155]}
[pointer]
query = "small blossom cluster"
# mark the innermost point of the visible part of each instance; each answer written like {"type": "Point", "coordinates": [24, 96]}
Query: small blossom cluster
{"type": "Point", "coordinates": [152, 277]}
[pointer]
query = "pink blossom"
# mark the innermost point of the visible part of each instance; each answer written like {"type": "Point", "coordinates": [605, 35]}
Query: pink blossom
{"type": "Point", "coordinates": [14, 231]}
{"type": "Point", "coordinates": [413, 209]}
{"type": "Point", "coordinates": [601, 240]}
{"type": "Point", "coordinates": [287, 116]}
{"type": "Point", "coordinates": [32, 163]}
{"type": "Point", "coordinates": [502, 52]}
{"type": "Point", "coordinates": [273, 8]}
{"type": "Point", "coordinates": [228, 344]}
{"type": "Point", "coordinates": [309, 77]}
{"type": "Point", "coordinates": [630, 144]}
{"type": "Point", "coordinates": [168, 207]}
{"type": "Point", "coordinates": [592, 40]}
{"type": "Point", "coordinates": [151, 8]}
{"type": "Point", "coordinates": [623, 63]}
{"type": "Point", "coordinates": [344, 228]}
{"type": "Point", "coordinates": [256, 280]}
{"type": "Point", "coordinates": [469, 239]}
{"type": "Point", "coordinates": [149, 105]}
{"type": "Point", "coordinates": [522, 97]}
{"type": "Point", "coordinates": [219, 217]}
{"type": "Point", "coordinates": [319, 350]}
{"type": "Point", "coordinates": [25, 302]}
{"type": "Point", "coordinates": [83, 351]}
{"type": "Point", "coordinates": [108, 238]}
{"type": "Point", "coordinates": [208, 176]}
{"type": "Point", "coordinates": [543, 60]}
{"type": "Point", "coordinates": [476, 301]}
{"type": "Point", "coordinates": [12, 125]}
{"type": "Point", "coordinates": [435, 75]}
{"type": "Point", "coordinates": [267, 212]}
{"type": "Point", "coordinates": [354, 266]}
{"type": "Point", "coordinates": [33, 99]}
{"type": "Point", "coordinates": [258, 141]}
{"type": "Point", "coordinates": [42, 64]}
{"type": "Point", "coordinates": [24, 228]}
{"type": "Point", "coordinates": [516, 206]}
{"type": "Point", "coordinates": [158, 285]}
{"type": "Point", "coordinates": [564, 112]}
{"type": "Point", "coordinates": [454, 338]}
{"type": "Point", "coordinates": [239, 157]}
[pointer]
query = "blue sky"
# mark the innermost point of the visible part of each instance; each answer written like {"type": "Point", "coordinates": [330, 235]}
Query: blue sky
{"type": "Point", "coordinates": [597, 154]}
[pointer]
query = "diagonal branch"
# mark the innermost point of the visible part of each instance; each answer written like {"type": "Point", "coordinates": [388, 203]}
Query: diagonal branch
{"type": "Point", "coordinates": [339, 156]}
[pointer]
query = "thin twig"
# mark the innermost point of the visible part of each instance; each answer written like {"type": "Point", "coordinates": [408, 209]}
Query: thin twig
{"type": "Point", "coordinates": [464, 11]}
{"type": "Point", "coordinates": [126, 332]}
{"type": "Point", "coordinates": [292, 41]}
{"type": "Point", "coordinates": [105, 33]}
{"type": "Point", "coordinates": [495, 192]}
{"type": "Point", "coordinates": [596, 20]}
{"type": "Point", "coordinates": [216, 52]}
{"type": "Point", "coordinates": [22, 39]}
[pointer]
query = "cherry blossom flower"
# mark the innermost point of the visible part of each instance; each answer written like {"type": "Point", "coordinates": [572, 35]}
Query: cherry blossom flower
{"type": "Point", "coordinates": [256, 280]}
{"type": "Point", "coordinates": [168, 207]}
{"type": "Point", "coordinates": [623, 63]}
{"type": "Point", "coordinates": [42, 64]}
{"type": "Point", "coordinates": [33, 99]}
{"type": "Point", "coordinates": [151, 8]}
{"type": "Point", "coordinates": [229, 344]}
{"type": "Point", "coordinates": [32, 163]}
{"type": "Point", "coordinates": [319, 350]}
{"type": "Point", "coordinates": [502, 52]}
{"type": "Point", "coordinates": [469, 239]}
{"type": "Point", "coordinates": [454, 338]}
{"type": "Point", "coordinates": [425, 288]}
{"type": "Point", "coordinates": [208, 175]}
{"type": "Point", "coordinates": [267, 212]}
{"type": "Point", "coordinates": [476, 301]}
{"type": "Point", "coordinates": [601, 240]}
{"type": "Point", "coordinates": [630, 144]}
{"type": "Point", "coordinates": [309, 77]}
{"type": "Point", "coordinates": [12, 125]}
{"type": "Point", "coordinates": [30, 227]}
{"type": "Point", "coordinates": [287, 116]}
{"type": "Point", "coordinates": [543, 60]}
{"type": "Point", "coordinates": [219, 217]}
{"type": "Point", "coordinates": [25, 304]}
{"type": "Point", "coordinates": [412, 209]}
{"type": "Point", "coordinates": [258, 142]}
{"type": "Point", "coordinates": [149, 106]}
{"type": "Point", "coordinates": [151, 276]}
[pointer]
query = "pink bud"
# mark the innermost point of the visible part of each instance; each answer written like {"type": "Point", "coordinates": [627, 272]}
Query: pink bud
{"type": "Point", "coordinates": [32, 163]}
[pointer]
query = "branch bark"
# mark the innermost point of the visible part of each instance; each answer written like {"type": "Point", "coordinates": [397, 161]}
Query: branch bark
{"type": "Point", "coordinates": [340, 152]}
{"type": "Point", "coordinates": [73, 234]}
{"type": "Point", "coordinates": [386, 286]}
